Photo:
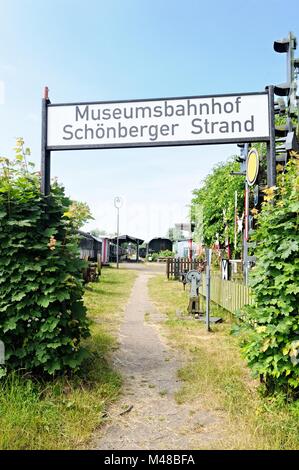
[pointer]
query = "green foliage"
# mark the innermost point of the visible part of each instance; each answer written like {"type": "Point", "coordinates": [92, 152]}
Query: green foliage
{"type": "Point", "coordinates": [166, 254]}
{"type": "Point", "coordinates": [79, 213]}
{"type": "Point", "coordinates": [271, 325]}
{"type": "Point", "coordinates": [175, 234]}
{"type": "Point", "coordinates": [215, 202]}
{"type": "Point", "coordinates": [42, 316]}
{"type": "Point", "coordinates": [161, 254]}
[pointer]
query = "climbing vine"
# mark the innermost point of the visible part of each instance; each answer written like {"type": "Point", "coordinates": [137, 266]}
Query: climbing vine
{"type": "Point", "coordinates": [271, 324]}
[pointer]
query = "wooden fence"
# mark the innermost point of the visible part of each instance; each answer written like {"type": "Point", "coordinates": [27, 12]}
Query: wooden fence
{"type": "Point", "coordinates": [175, 266]}
{"type": "Point", "coordinates": [228, 294]}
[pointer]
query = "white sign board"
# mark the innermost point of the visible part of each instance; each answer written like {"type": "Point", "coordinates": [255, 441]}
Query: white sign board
{"type": "Point", "coordinates": [168, 121]}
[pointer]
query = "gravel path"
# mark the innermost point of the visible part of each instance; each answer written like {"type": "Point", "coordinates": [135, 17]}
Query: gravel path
{"type": "Point", "coordinates": [147, 415]}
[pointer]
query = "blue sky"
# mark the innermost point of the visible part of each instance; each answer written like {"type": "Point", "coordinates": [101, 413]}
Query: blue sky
{"type": "Point", "coordinates": [95, 50]}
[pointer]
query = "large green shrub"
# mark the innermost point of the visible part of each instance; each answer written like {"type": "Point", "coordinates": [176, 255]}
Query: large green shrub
{"type": "Point", "coordinates": [272, 322]}
{"type": "Point", "coordinates": [42, 316]}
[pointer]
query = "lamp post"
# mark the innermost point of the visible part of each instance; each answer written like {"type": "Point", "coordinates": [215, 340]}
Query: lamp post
{"type": "Point", "coordinates": [117, 204]}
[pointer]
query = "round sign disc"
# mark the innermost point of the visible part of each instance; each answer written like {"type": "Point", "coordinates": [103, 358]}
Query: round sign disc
{"type": "Point", "coordinates": [193, 274]}
{"type": "Point", "coordinates": [118, 202]}
{"type": "Point", "coordinates": [252, 166]}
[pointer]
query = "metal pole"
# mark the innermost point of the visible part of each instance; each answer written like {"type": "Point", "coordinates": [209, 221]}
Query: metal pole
{"type": "Point", "coordinates": [271, 157]}
{"type": "Point", "coordinates": [208, 286]}
{"type": "Point", "coordinates": [45, 154]}
{"type": "Point", "coordinates": [246, 228]}
{"type": "Point", "coordinates": [236, 227]}
{"type": "Point", "coordinates": [117, 240]}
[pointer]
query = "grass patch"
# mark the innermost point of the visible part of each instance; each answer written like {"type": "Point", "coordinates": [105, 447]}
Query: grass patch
{"type": "Point", "coordinates": [63, 412]}
{"type": "Point", "coordinates": [217, 378]}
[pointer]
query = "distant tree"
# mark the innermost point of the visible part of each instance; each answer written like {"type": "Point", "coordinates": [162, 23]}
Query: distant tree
{"type": "Point", "coordinates": [175, 234]}
{"type": "Point", "coordinates": [170, 234]}
{"type": "Point", "coordinates": [213, 203]}
{"type": "Point", "coordinates": [96, 232]}
{"type": "Point", "coordinates": [79, 213]}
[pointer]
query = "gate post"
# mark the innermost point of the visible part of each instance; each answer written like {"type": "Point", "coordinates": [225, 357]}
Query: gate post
{"type": "Point", "coordinates": [45, 154]}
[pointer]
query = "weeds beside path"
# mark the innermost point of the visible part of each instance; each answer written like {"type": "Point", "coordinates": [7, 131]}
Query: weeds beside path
{"type": "Point", "coordinates": [216, 377]}
{"type": "Point", "coordinates": [62, 413]}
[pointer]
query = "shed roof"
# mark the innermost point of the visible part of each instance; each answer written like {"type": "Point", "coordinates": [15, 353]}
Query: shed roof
{"type": "Point", "coordinates": [127, 239]}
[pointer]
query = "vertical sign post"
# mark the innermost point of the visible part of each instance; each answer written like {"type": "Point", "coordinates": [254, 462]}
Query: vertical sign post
{"type": "Point", "coordinates": [208, 286]}
{"type": "Point", "coordinates": [117, 204]}
{"type": "Point", "coordinates": [117, 242]}
{"type": "Point", "coordinates": [45, 153]}
{"type": "Point", "coordinates": [271, 157]}
{"type": "Point", "coordinates": [246, 229]}
{"type": "Point", "coordinates": [190, 243]}
{"type": "Point", "coordinates": [236, 221]}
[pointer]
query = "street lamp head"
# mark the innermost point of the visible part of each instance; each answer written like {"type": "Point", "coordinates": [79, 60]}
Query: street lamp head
{"type": "Point", "coordinates": [118, 202]}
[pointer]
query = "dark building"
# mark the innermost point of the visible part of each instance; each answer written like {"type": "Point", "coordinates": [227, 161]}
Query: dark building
{"type": "Point", "coordinates": [159, 244]}
{"type": "Point", "coordinates": [90, 246]}
{"type": "Point", "coordinates": [124, 240]}
{"type": "Point", "coordinates": [142, 252]}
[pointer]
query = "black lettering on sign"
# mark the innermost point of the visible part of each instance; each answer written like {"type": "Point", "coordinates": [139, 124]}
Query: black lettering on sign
{"type": "Point", "coordinates": [196, 123]}
{"type": "Point", "coordinates": [66, 131]}
{"type": "Point", "coordinates": [249, 124]}
{"type": "Point", "coordinates": [84, 115]}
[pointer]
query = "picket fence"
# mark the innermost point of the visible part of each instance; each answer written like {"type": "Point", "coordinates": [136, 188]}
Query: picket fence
{"type": "Point", "coordinates": [228, 294]}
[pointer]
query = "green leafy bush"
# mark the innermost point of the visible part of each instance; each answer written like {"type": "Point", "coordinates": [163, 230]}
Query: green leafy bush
{"type": "Point", "coordinates": [271, 324]}
{"type": "Point", "coordinates": [161, 254]}
{"type": "Point", "coordinates": [166, 254]}
{"type": "Point", "coordinates": [42, 316]}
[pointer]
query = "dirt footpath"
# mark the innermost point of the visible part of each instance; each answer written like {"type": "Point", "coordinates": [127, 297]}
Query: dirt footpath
{"type": "Point", "coordinates": [147, 415]}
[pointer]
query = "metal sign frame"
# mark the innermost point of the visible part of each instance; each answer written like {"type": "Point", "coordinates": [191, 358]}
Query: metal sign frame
{"type": "Point", "coordinates": [171, 143]}
{"type": "Point", "coordinates": [46, 150]}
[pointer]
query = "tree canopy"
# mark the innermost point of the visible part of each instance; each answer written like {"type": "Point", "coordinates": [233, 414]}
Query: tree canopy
{"type": "Point", "coordinates": [212, 206]}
